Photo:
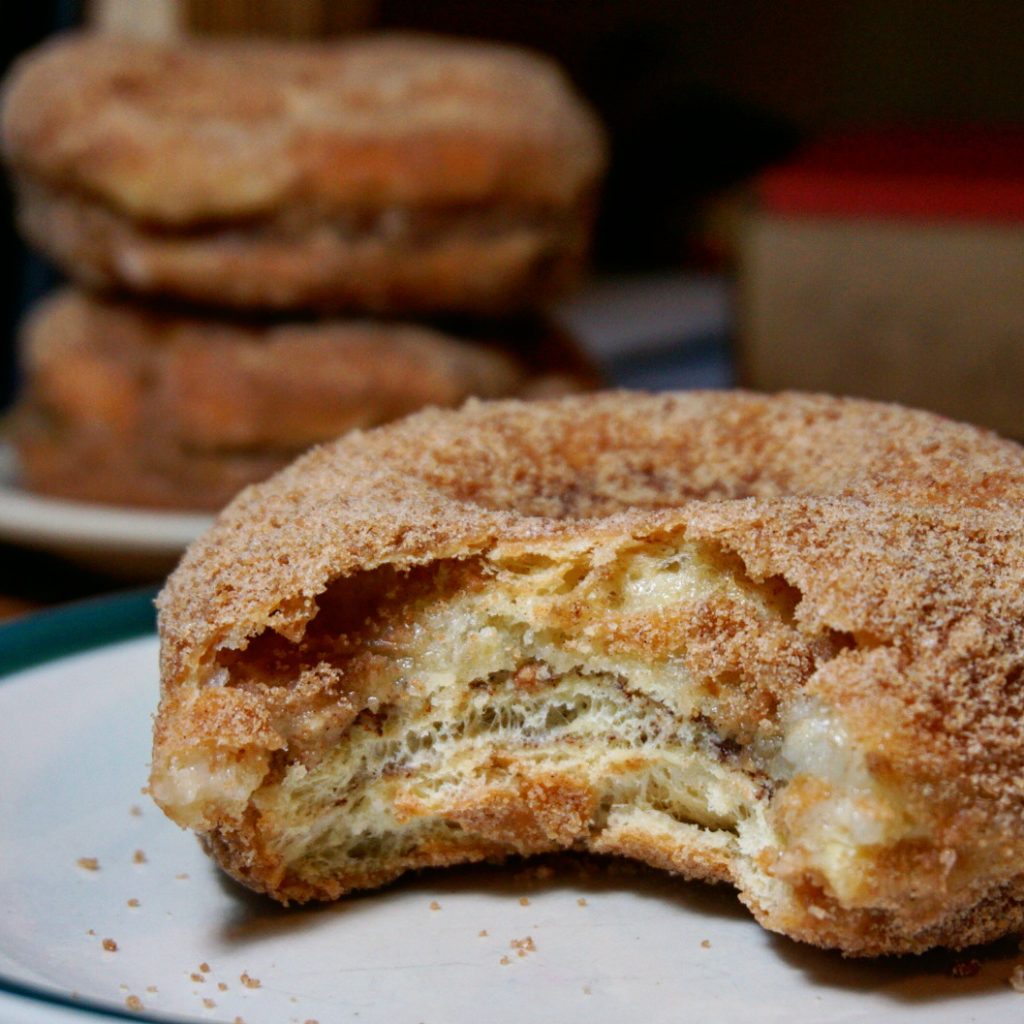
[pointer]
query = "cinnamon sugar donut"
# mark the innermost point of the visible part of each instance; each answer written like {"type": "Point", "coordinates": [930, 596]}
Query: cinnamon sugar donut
{"type": "Point", "coordinates": [773, 641]}
{"type": "Point", "coordinates": [132, 405]}
{"type": "Point", "coordinates": [395, 174]}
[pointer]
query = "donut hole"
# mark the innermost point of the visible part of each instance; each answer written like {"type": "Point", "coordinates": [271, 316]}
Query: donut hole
{"type": "Point", "coordinates": [549, 490]}
{"type": "Point", "coordinates": [535, 461]}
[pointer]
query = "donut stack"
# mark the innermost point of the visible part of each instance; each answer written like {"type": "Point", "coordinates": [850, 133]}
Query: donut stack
{"type": "Point", "coordinates": [273, 243]}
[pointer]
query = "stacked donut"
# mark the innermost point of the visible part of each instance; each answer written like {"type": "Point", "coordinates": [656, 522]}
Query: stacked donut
{"type": "Point", "coordinates": [274, 243]}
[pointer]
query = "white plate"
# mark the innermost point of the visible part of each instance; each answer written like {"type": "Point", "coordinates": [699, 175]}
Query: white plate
{"type": "Point", "coordinates": [442, 948]}
{"type": "Point", "coordinates": [130, 542]}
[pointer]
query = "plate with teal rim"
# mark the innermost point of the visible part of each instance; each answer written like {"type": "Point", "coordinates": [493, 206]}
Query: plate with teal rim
{"type": "Point", "coordinates": [109, 912]}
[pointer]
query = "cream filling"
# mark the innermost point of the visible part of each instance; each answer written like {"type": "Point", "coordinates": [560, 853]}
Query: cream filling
{"type": "Point", "coordinates": [854, 816]}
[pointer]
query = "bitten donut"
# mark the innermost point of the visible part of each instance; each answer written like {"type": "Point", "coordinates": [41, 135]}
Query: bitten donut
{"type": "Point", "coordinates": [773, 641]}
{"type": "Point", "coordinates": [130, 405]}
{"type": "Point", "coordinates": [393, 174]}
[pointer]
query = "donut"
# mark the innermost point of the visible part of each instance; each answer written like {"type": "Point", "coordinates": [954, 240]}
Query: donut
{"type": "Point", "coordinates": [394, 174]}
{"type": "Point", "coordinates": [774, 641]}
{"type": "Point", "coordinates": [130, 405]}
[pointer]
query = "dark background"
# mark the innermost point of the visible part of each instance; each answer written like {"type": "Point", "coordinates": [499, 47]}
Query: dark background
{"type": "Point", "coordinates": [697, 96]}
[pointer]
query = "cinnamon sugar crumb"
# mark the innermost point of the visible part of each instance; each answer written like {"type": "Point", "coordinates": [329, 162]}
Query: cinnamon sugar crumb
{"type": "Point", "coordinates": [209, 1003]}
{"type": "Point", "coordinates": [182, 876]}
{"type": "Point", "coordinates": [135, 811]}
{"type": "Point", "coordinates": [133, 902]}
{"type": "Point", "coordinates": [134, 1003]}
{"type": "Point", "coordinates": [151, 988]}
{"type": "Point", "coordinates": [139, 857]}
{"type": "Point", "coordinates": [581, 902]}
{"type": "Point", "coordinates": [524, 901]}
{"type": "Point", "coordinates": [88, 863]}
{"type": "Point", "coordinates": [195, 976]}
{"type": "Point", "coordinates": [204, 967]}
{"type": "Point", "coordinates": [705, 943]}
{"type": "Point", "coordinates": [222, 986]}
{"type": "Point", "coordinates": [248, 981]}
{"type": "Point", "coordinates": [523, 946]}
{"type": "Point", "coordinates": [482, 933]}
{"type": "Point", "coordinates": [110, 945]}
{"type": "Point", "coordinates": [434, 905]}
{"type": "Point", "coordinates": [504, 961]}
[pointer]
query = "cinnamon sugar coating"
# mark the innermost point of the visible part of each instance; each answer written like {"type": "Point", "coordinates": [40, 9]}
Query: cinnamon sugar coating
{"type": "Point", "coordinates": [856, 660]}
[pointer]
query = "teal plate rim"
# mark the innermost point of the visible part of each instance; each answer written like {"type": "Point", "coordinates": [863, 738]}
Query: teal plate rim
{"type": "Point", "coordinates": [58, 632]}
{"type": "Point", "coordinates": [49, 636]}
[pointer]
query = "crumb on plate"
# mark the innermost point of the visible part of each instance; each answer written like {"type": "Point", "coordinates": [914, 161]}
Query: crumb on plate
{"type": "Point", "coordinates": [523, 946]}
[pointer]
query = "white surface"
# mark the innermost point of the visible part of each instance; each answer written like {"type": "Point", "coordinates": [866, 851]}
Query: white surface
{"type": "Point", "coordinates": [73, 752]}
{"type": "Point", "coordinates": [130, 540]}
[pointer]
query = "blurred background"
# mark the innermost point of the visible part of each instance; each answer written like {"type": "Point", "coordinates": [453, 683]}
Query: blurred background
{"type": "Point", "coordinates": [818, 196]}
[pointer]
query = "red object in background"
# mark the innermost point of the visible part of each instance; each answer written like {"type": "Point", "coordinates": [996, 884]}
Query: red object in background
{"type": "Point", "coordinates": [967, 173]}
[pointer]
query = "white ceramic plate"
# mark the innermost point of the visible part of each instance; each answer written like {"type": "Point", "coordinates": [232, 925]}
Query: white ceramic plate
{"type": "Point", "coordinates": [131, 542]}
{"type": "Point", "coordinates": [487, 945]}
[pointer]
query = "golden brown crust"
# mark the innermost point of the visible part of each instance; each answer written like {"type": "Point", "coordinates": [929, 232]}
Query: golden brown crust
{"type": "Point", "coordinates": [390, 173]}
{"type": "Point", "coordinates": [127, 404]}
{"type": "Point", "coordinates": [895, 536]}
